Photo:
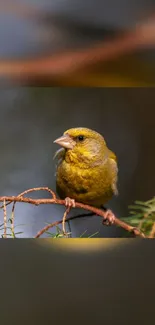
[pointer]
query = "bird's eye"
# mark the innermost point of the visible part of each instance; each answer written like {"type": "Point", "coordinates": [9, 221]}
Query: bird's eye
{"type": "Point", "coordinates": [80, 137]}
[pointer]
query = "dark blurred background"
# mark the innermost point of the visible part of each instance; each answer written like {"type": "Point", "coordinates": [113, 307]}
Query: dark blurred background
{"type": "Point", "coordinates": [31, 118]}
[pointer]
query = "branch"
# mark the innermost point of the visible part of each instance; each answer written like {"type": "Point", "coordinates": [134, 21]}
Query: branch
{"type": "Point", "coordinates": [5, 220]}
{"type": "Point", "coordinates": [55, 200]}
{"type": "Point", "coordinates": [56, 67]}
{"type": "Point", "coordinates": [152, 233]}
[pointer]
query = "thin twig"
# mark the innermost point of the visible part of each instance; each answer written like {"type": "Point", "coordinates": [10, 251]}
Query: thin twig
{"type": "Point", "coordinates": [64, 220]}
{"type": "Point", "coordinates": [83, 215]}
{"type": "Point", "coordinates": [5, 220]}
{"type": "Point", "coordinates": [54, 200]}
{"type": "Point", "coordinates": [43, 188]}
{"type": "Point", "coordinates": [33, 190]}
{"type": "Point", "coordinates": [21, 194]}
{"type": "Point", "coordinates": [13, 221]}
{"type": "Point", "coordinates": [124, 225]}
{"type": "Point", "coordinates": [152, 233]}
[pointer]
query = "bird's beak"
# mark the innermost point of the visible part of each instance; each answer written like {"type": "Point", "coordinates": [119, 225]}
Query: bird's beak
{"type": "Point", "coordinates": [66, 142]}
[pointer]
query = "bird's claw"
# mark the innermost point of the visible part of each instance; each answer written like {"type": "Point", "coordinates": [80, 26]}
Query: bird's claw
{"type": "Point", "coordinates": [69, 203]}
{"type": "Point", "coordinates": [109, 218]}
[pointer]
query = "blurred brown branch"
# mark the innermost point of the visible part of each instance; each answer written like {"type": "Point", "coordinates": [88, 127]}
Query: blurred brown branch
{"type": "Point", "coordinates": [152, 233]}
{"type": "Point", "coordinates": [53, 68]}
{"type": "Point", "coordinates": [56, 68]}
{"type": "Point", "coordinates": [55, 200]}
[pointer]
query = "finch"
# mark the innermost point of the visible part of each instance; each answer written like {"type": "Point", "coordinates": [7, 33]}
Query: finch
{"type": "Point", "coordinates": [87, 169]}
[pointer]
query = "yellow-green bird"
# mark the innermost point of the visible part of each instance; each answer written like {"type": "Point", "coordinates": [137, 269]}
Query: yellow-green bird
{"type": "Point", "coordinates": [87, 170]}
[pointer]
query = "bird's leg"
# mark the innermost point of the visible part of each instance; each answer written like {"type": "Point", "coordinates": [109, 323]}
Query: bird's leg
{"type": "Point", "coordinates": [69, 203]}
{"type": "Point", "coordinates": [109, 218]}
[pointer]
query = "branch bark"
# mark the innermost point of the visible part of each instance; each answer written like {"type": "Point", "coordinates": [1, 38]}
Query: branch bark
{"type": "Point", "coordinates": [55, 200]}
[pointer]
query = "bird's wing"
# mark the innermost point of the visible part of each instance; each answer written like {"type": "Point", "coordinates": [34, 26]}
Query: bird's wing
{"type": "Point", "coordinates": [112, 156]}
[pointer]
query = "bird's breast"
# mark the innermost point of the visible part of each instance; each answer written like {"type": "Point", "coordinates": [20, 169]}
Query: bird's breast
{"type": "Point", "coordinates": [89, 186]}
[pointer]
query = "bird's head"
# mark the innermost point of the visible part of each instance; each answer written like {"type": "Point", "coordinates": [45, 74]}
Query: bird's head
{"type": "Point", "coordinates": [82, 145]}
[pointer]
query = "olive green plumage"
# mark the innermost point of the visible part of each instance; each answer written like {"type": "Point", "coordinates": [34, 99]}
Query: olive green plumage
{"type": "Point", "coordinates": [87, 169]}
